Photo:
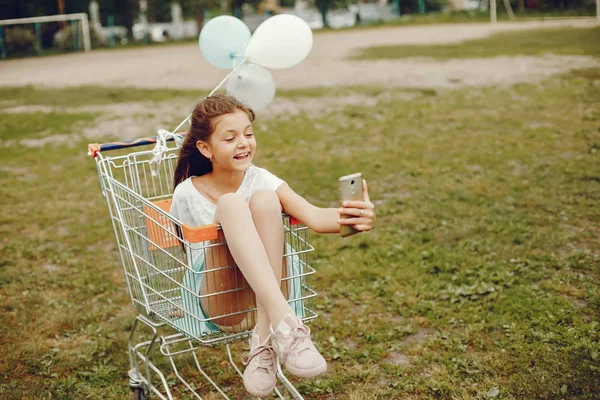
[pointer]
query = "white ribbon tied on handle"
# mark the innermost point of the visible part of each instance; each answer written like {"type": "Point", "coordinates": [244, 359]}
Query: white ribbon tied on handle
{"type": "Point", "coordinates": [161, 147]}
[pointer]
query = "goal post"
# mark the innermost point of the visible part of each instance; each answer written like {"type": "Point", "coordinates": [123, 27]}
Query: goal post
{"type": "Point", "coordinates": [82, 17]}
{"type": "Point", "coordinates": [493, 10]}
{"type": "Point", "coordinates": [493, 18]}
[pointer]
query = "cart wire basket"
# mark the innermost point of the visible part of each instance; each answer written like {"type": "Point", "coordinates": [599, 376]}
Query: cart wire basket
{"type": "Point", "coordinates": [182, 280]}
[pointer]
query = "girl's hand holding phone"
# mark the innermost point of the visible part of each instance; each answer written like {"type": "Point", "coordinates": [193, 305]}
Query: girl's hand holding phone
{"type": "Point", "coordinates": [360, 215]}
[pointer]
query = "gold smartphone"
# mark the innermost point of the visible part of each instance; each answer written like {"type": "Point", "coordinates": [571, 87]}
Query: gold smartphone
{"type": "Point", "coordinates": [351, 188]}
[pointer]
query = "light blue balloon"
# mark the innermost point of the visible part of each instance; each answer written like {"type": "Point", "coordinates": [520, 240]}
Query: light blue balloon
{"type": "Point", "coordinates": [222, 39]}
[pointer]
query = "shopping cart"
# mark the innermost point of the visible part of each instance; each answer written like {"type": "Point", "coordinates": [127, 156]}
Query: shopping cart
{"type": "Point", "coordinates": [182, 278]}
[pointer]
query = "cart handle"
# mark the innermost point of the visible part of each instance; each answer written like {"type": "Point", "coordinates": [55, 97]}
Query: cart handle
{"type": "Point", "coordinates": [95, 148]}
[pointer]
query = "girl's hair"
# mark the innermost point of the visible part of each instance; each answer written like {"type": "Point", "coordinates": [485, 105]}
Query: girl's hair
{"type": "Point", "coordinates": [191, 162]}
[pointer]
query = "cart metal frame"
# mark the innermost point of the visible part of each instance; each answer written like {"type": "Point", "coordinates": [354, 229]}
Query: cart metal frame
{"type": "Point", "coordinates": [181, 279]}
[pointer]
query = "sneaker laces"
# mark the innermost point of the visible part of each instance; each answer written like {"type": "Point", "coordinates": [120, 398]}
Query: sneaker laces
{"type": "Point", "coordinates": [299, 342]}
{"type": "Point", "coordinates": [265, 360]}
{"type": "Point", "coordinates": [301, 333]}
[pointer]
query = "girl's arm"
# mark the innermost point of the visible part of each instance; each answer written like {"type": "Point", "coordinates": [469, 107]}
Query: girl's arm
{"type": "Point", "coordinates": [360, 214]}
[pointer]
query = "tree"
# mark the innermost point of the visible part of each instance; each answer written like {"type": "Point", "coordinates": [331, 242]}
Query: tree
{"type": "Point", "coordinates": [325, 5]}
{"type": "Point", "coordinates": [129, 9]}
{"type": "Point", "coordinates": [61, 10]}
{"type": "Point", "coordinates": [196, 8]}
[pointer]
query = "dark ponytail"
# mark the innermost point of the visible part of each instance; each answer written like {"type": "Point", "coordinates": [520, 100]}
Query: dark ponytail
{"type": "Point", "coordinates": [191, 162]}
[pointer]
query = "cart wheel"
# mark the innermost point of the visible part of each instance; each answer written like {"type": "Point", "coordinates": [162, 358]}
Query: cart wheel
{"type": "Point", "coordinates": [137, 393]}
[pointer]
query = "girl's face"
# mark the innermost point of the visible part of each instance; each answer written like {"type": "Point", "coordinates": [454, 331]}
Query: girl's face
{"type": "Point", "coordinates": [232, 144]}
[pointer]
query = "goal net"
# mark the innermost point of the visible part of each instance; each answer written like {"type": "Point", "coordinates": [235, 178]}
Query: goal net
{"type": "Point", "coordinates": [24, 36]}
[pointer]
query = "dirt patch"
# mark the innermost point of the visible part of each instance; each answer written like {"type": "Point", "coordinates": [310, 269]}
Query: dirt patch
{"type": "Point", "coordinates": [49, 267]}
{"type": "Point", "coordinates": [319, 106]}
{"type": "Point", "coordinates": [61, 138]}
{"type": "Point", "coordinates": [26, 109]}
{"type": "Point", "coordinates": [397, 359]}
{"type": "Point", "coordinates": [417, 337]}
{"type": "Point", "coordinates": [19, 171]}
{"type": "Point", "coordinates": [135, 119]}
{"type": "Point", "coordinates": [350, 344]}
{"type": "Point", "coordinates": [140, 119]}
{"type": "Point", "coordinates": [115, 121]}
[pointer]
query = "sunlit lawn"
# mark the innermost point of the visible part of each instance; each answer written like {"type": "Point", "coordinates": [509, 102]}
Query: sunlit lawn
{"type": "Point", "coordinates": [561, 41]}
{"type": "Point", "coordinates": [480, 280]}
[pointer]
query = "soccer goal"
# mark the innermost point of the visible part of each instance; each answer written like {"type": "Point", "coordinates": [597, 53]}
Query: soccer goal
{"type": "Point", "coordinates": [80, 28]}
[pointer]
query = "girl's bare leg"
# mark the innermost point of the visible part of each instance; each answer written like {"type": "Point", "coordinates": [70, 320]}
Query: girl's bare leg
{"type": "Point", "coordinates": [225, 293]}
{"type": "Point", "coordinates": [266, 213]}
{"type": "Point", "coordinates": [251, 256]}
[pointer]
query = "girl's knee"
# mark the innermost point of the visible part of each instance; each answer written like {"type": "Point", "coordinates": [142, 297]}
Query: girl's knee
{"type": "Point", "coordinates": [230, 201]}
{"type": "Point", "coordinates": [265, 201]}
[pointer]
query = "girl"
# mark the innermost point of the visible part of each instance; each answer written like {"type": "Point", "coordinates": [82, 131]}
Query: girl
{"type": "Point", "coordinates": [215, 182]}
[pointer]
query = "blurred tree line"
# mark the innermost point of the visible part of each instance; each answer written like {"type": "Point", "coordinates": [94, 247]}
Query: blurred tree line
{"type": "Point", "coordinates": [125, 12]}
{"type": "Point", "coordinates": [22, 39]}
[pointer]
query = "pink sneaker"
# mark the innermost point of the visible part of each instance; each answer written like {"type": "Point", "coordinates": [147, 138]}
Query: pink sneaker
{"type": "Point", "coordinates": [260, 375]}
{"type": "Point", "coordinates": [294, 348]}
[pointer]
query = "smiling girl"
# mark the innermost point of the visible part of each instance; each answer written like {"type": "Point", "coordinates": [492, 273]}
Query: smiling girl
{"type": "Point", "coordinates": [216, 182]}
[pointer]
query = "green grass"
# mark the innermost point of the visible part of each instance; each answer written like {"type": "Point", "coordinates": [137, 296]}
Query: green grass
{"type": "Point", "coordinates": [480, 280]}
{"type": "Point", "coordinates": [561, 41]}
{"type": "Point", "coordinates": [484, 16]}
{"type": "Point", "coordinates": [88, 95]}
{"type": "Point", "coordinates": [40, 124]}
{"type": "Point", "coordinates": [96, 95]}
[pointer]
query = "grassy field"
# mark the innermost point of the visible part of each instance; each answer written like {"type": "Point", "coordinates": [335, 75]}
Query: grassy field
{"type": "Point", "coordinates": [480, 280]}
{"type": "Point", "coordinates": [562, 41]}
{"type": "Point", "coordinates": [484, 16]}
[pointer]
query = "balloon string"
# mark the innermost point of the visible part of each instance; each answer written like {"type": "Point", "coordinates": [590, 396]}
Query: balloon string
{"type": "Point", "coordinates": [227, 77]}
{"type": "Point", "coordinates": [187, 119]}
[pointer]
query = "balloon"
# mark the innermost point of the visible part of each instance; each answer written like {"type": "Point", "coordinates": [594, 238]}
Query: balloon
{"type": "Point", "coordinates": [221, 39]}
{"type": "Point", "coordinates": [281, 41]}
{"type": "Point", "coordinates": [253, 85]}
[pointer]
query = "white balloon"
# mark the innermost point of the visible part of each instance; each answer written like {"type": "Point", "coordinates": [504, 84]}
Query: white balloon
{"type": "Point", "coordinates": [253, 85]}
{"type": "Point", "coordinates": [281, 41]}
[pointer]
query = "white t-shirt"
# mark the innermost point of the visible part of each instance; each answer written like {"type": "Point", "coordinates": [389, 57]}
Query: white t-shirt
{"type": "Point", "coordinates": [191, 207]}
